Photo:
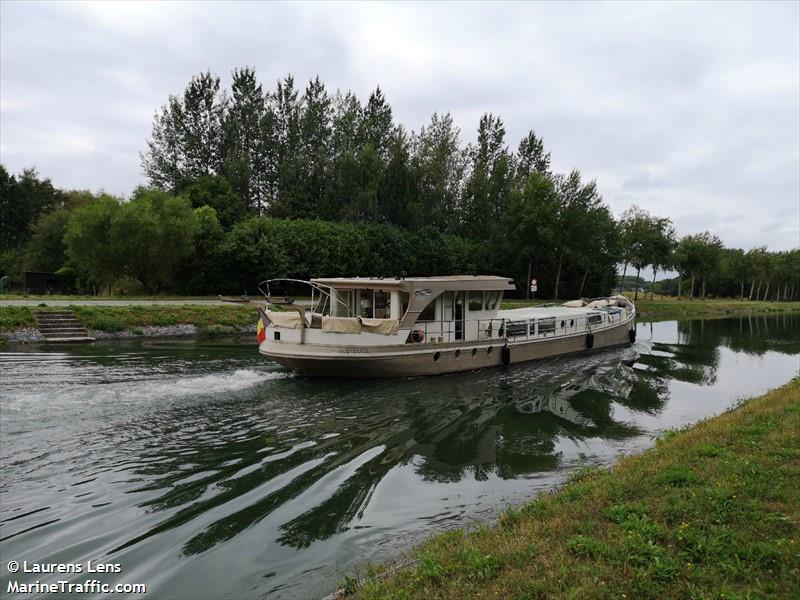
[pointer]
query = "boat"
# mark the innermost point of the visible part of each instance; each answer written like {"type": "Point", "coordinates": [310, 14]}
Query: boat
{"type": "Point", "coordinates": [412, 326]}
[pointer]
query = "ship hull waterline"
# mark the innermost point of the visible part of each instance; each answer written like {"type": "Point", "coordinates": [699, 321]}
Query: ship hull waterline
{"type": "Point", "coordinates": [436, 359]}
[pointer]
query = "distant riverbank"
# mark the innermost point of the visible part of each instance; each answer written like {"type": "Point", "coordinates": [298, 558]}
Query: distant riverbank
{"type": "Point", "coordinates": [113, 318]}
{"type": "Point", "coordinates": [712, 510]}
{"type": "Point", "coordinates": [18, 323]}
{"type": "Point", "coordinates": [668, 308]}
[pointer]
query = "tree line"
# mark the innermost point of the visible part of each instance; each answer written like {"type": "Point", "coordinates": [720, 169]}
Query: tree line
{"type": "Point", "coordinates": [248, 183]}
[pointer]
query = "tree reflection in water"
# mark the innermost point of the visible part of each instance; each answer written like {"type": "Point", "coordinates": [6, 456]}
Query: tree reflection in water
{"type": "Point", "coordinates": [322, 447]}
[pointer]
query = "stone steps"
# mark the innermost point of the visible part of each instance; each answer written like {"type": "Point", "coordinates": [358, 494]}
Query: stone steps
{"type": "Point", "coordinates": [61, 326]}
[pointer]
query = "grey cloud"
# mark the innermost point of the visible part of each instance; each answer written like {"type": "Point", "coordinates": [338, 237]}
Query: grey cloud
{"type": "Point", "coordinates": [691, 110]}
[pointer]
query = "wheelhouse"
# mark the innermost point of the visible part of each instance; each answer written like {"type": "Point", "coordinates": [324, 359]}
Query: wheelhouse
{"type": "Point", "coordinates": [425, 309]}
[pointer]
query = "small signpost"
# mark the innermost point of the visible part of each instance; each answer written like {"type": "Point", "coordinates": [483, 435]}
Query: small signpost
{"type": "Point", "coordinates": [534, 287]}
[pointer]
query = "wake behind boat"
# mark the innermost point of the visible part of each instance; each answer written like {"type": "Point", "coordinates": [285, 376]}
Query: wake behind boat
{"type": "Point", "coordinates": [403, 327]}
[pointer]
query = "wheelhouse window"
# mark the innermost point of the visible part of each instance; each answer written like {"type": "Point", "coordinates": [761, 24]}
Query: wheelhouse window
{"type": "Point", "coordinates": [492, 298]}
{"type": "Point", "coordinates": [429, 313]}
{"type": "Point", "coordinates": [365, 304]}
{"type": "Point", "coordinates": [382, 304]}
{"type": "Point", "coordinates": [341, 303]}
{"type": "Point", "coordinates": [475, 301]}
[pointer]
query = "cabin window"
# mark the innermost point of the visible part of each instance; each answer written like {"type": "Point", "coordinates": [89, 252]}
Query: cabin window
{"type": "Point", "coordinates": [475, 301]}
{"type": "Point", "coordinates": [517, 328]}
{"type": "Point", "coordinates": [491, 300]}
{"type": "Point", "coordinates": [382, 304]}
{"type": "Point", "coordinates": [341, 301]}
{"type": "Point", "coordinates": [365, 304]}
{"type": "Point", "coordinates": [595, 319]}
{"type": "Point", "coordinates": [429, 313]}
{"type": "Point", "coordinates": [447, 307]}
{"type": "Point", "coordinates": [547, 325]}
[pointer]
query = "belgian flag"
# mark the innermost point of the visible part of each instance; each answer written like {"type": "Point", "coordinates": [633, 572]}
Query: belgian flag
{"type": "Point", "coordinates": [261, 328]}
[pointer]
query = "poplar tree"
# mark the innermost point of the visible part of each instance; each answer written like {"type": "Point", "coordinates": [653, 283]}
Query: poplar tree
{"type": "Point", "coordinates": [441, 165]}
{"type": "Point", "coordinates": [488, 184]}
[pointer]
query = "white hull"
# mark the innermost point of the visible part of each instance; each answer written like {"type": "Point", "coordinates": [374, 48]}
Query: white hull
{"type": "Point", "coordinates": [411, 360]}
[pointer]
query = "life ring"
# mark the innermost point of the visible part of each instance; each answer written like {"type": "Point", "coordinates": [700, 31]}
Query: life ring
{"type": "Point", "coordinates": [589, 340]}
{"type": "Point", "coordinates": [632, 335]}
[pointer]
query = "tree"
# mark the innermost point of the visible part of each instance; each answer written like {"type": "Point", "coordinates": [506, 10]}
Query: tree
{"type": "Point", "coordinates": [698, 255]}
{"type": "Point", "coordinates": [200, 272]}
{"type": "Point", "coordinates": [661, 242]}
{"type": "Point", "coordinates": [216, 192]}
{"type": "Point", "coordinates": [600, 246]}
{"type": "Point", "coordinates": [441, 165]}
{"type": "Point", "coordinates": [531, 158]}
{"type": "Point", "coordinates": [288, 110]}
{"type": "Point", "coordinates": [23, 199]}
{"type": "Point", "coordinates": [247, 162]}
{"type": "Point", "coordinates": [315, 144]}
{"type": "Point", "coordinates": [633, 229]}
{"type": "Point", "coordinates": [578, 208]}
{"type": "Point", "coordinates": [345, 144]}
{"type": "Point", "coordinates": [89, 242]}
{"type": "Point", "coordinates": [45, 251]}
{"type": "Point", "coordinates": [489, 182]}
{"type": "Point", "coordinates": [150, 237]}
{"type": "Point", "coordinates": [532, 220]}
{"type": "Point", "coordinates": [145, 238]}
{"type": "Point", "coordinates": [397, 190]}
{"type": "Point", "coordinates": [377, 126]}
{"type": "Point", "coordinates": [187, 136]}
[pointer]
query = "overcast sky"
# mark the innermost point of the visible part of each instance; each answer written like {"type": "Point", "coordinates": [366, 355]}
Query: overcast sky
{"type": "Point", "coordinates": [689, 110]}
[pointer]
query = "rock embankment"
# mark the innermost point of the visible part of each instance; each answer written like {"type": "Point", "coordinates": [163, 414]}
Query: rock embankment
{"type": "Point", "coordinates": [31, 335]}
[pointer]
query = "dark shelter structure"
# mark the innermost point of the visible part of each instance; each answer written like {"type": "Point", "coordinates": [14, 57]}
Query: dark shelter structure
{"type": "Point", "coordinates": [42, 283]}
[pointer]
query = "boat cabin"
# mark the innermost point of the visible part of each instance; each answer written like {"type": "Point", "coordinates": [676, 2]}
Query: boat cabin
{"type": "Point", "coordinates": [409, 310]}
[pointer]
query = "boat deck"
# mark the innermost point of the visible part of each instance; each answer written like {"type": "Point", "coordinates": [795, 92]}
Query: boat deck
{"type": "Point", "coordinates": [543, 312]}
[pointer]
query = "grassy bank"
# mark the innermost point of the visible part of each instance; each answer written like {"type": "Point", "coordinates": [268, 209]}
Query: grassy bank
{"type": "Point", "coordinates": [710, 512]}
{"type": "Point", "coordinates": [667, 309]}
{"type": "Point", "coordinates": [119, 318]}
{"type": "Point", "coordinates": [664, 309]}
{"type": "Point", "coordinates": [47, 297]}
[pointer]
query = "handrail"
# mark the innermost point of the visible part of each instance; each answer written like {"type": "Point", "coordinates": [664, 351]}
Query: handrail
{"type": "Point", "coordinates": [290, 301]}
{"type": "Point", "coordinates": [506, 329]}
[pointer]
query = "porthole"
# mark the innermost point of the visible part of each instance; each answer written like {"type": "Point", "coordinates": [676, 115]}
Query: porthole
{"type": "Point", "coordinates": [489, 350]}
{"type": "Point", "coordinates": [474, 352]}
{"type": "Point", "coordinates": [458, 353]}
{"type": "Point", "coordinates": [437, 356]}
{"type": "Point", "coordinates": [277, 336]}
{"type": "Point", "coordinates": [562, 324]}
{"type": "Point", "coordinates": [572, 322]}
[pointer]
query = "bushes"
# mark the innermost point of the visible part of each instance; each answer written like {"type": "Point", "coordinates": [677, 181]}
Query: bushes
{"type": "Point", "coordinates": [264, 248]}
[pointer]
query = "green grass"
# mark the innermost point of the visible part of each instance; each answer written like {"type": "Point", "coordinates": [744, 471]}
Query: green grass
{"type": "Point", "coordinates": [207, 318]}
{"type": "Point", "coordinates": [712, 511]}
{"type": "Point", "coordinates": [46, 297]}
{"type": "Point", "coordinates": [664, 309]}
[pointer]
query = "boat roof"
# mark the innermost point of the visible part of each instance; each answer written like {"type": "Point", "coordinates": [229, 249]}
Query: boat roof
{"type": "Point", "coordinates": [435, 284]}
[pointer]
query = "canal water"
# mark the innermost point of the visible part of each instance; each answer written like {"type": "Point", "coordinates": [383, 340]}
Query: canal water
{"type": "Point", "coordinates": [205, 471]}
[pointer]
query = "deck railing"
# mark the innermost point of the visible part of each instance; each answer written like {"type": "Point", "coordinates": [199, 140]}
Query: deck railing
{"type": "Point", "coordinates": [513, 330]}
